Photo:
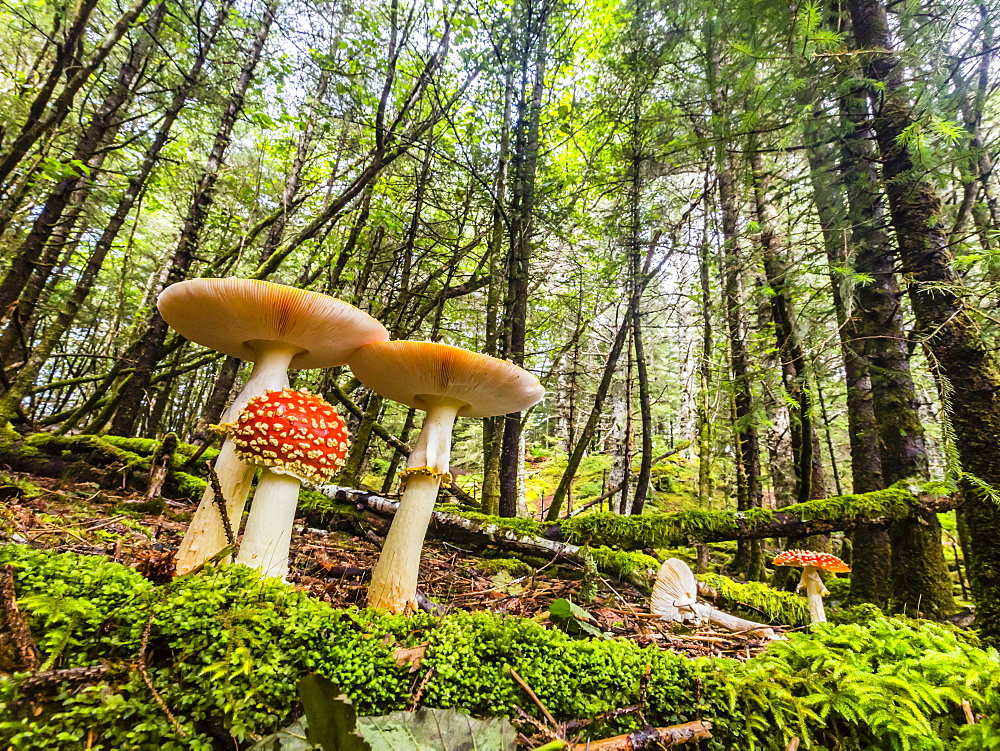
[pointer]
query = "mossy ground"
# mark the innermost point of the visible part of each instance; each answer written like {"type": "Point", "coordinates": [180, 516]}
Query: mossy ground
{"type": "Point", "coordinates": [224, 652]}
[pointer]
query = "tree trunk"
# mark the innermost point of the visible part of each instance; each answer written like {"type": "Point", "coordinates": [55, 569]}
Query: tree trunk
{"type": "Point", "coordinates": [69, 309]}
{"type": "Point", "coordinates": [524, 167]}
{"type": "Point", "coordinates": [704, 383]}
{"type": "Point", "coordinates": [147, 350]}
{"type": "Point", "coordinates": [36, 253]}
{"type": "Point", "coordinates": [869, 583]}
{"type": "Point", "coordinates": [583, 440]}
{"type": "Point", "coordinates": [917, 571]}
{"type": "Point", "coordinates": [968, 374]}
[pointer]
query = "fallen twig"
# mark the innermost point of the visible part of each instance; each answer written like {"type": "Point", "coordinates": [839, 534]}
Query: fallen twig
{"type": "Point", "coordinates": [534, 697]}
{"type": "Point", "coordinates": [39, 681]}
{"type": "Point", "coordinates": [220, 502]}
{"type": "Point", "coordinates": [651, 738]}
{"type": "Point", "coordinates": [144, 672]}
{"type": "Point", "coordinates": [16, 621]}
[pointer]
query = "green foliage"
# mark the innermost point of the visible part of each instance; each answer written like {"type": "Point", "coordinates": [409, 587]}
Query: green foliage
{"type": "Point", "coordinates": [24, 487]}
{"type": "Point", "coordinates": [573, 619]}
{"type": "Point", "coordinates": [227, 650]}
{"type": "Point", "coordinates": [332, 721]}
{"type": "Point", "coordinates": [889, 684]}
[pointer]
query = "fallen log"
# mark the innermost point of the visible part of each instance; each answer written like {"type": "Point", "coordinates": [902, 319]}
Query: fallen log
{"type": "Point", "coordinates": [459, 529]}
{"type": "Point", "coordinates": [816, 517]}
{"type": "Point", "coordinates": [820, 516]}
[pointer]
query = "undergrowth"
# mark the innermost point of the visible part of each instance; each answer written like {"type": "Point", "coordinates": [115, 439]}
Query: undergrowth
{"type": "Point", "coordinates": [225, 651]}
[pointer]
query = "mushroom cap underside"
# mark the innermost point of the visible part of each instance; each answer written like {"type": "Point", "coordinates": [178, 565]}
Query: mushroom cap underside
{"type": "Point", "coordinates": [237, 316]}
{"type": "Point", "coordinates": [418, 374]}
{"type": "Point", "coordinates": [825, 561]}
{"type": "Point", "coordinates": [676, 586]}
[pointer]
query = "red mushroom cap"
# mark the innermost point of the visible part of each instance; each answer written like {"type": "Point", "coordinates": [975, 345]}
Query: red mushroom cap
{"type": "Point", "coordinates": [293, 433]}
{"type": "Point", "coordinates": [824, 561]}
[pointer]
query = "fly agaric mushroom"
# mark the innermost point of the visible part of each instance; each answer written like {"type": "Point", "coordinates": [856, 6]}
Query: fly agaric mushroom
{"type": "Point", "coordinates": [276, 327]}
{"type": "Point", "coordinates": [812, 562]}
{"type": "Point", "coordinates": [675, 598]}
{"type": "Point", "coordinates": [446, 382]}
{"type": "Point", "coordinates": [295, 436]}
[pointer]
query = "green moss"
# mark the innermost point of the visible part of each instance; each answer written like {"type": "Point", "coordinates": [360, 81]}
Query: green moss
{"type": "Point", "coordinates": [517, 526]}
{"type": "Point", "coordinates": [188, 486]}
{"type": "Point", "coordinates": [147, 446]}
{"type": "Point", "coordinates": [894, 502]}
{"type": "Point", "coordinates": [625, 565]}
{"type": "Point", "coordinates": [513, 566]}
{"type": "Point", "coordinates": [229, 648]}
{"type": "Point", "coordinates": [786, 608]}
{"type": "Point", "coordinates": [24, 487]}
{"type": "Point", "coordinates": [69, 445]}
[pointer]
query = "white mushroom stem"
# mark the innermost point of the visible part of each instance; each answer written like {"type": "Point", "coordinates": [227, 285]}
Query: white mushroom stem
{"type": "Point", "coordinates": [394, 580]}
{"type": "Point", "coordinates": [206, 534]}
{"type": "Point", "coordinates": [815, 590]}
{"type": "Point", "coordinates": [731, 622]}
{"type": "Point", "coordinates": [268, 533]}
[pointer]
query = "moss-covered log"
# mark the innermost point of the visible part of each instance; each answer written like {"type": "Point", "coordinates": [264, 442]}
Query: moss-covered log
{"type": "Point", "coordinates": [661, 530]}
{"type": "Point", "coordinates": [110, 461]}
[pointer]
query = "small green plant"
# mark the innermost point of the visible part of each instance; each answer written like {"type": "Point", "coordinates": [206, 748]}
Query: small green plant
{"type": "Point", "coordinates": [573, 619]}
{"type": "Point", "coordinates": [591, 578]}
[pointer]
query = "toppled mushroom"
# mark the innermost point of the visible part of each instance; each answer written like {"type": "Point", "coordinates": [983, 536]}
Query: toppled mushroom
{"type": "Point", "coordinates": [295, 436]}
{"type": "Point", "coordinates": [277, 328]}
{"type": "Point", "coordinates": [446, 382]}
{"type": "Point", "coordinates": [811, 563]}
{"type": "Point", "coordinates": [675, 598]}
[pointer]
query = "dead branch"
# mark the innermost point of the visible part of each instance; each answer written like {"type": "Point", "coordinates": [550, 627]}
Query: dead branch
{"type": "Point", "coordinates": [651, 738]}
{"type": "Point", "coordinates": [16, 621]}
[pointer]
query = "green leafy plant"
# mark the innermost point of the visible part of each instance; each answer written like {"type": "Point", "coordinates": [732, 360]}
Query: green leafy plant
{"type": "Point", "coordinates": [573, 619]}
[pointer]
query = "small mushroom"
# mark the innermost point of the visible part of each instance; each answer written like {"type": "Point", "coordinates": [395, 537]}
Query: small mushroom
{"type": "Point", "coordinates": [276, 327]}
{"type": "Point", "coordinates": [812, 562]}
{"type": "Point", "coordinates": [675, 598]}
{"type": "Point", "coordinates": [446, 382]}
{"type": "Point", "coordinates": [296, 436]}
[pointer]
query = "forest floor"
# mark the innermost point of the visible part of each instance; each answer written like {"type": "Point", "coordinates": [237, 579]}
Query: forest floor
{"type": "Point", "coordinates": [127, 528]}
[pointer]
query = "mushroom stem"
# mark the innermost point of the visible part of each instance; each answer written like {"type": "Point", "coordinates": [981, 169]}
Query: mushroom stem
{"type": "Point", "coordinates": [815, 590]}
{"type": "Point", "coordinates": [394, 580]}
{"type": "Point", "coordinates": [268, 532]}
{"type": "Point", "coordinates": [206, 535]}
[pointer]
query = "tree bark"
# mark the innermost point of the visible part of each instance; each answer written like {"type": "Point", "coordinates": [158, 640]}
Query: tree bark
{"type": "Point", "coordinates": [533, 37]}
{"type": "Point", "coordinates": [68, 311]}
{"type": "Point", "coordinates": [969, 378]}
{"type": "Point", "coordinates": [869, 583]}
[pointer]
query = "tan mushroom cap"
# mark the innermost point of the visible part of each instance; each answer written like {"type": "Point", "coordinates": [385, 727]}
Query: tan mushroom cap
{"type": "Point", "coordinates": [229, 315]}
{"type": "Point", "coordinates": [414, 373]}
